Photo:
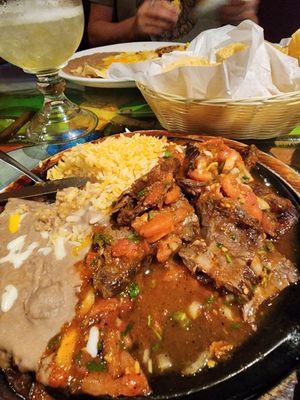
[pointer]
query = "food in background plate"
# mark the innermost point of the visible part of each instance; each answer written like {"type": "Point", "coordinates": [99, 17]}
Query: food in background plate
{"type": "Point", "coordinates": [96, 65]}
{"type": "Point", "coordinates": [174, 251]}
{"type": "Point", "coordinates": [177, 4]}
{"type": "Point", "coordinates": [294, 46]}
{"type": "Point", "coordinates": [221, 55]}
{"type": "Point", "coordinates": [230, 50]}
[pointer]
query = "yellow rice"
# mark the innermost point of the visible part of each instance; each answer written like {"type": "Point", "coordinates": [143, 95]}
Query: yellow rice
{"type": "Point", "coordinates": [112, 165]}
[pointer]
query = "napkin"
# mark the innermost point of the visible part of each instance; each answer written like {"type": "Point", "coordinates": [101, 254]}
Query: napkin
{"type": "Point", "coordinates": [259, 70]}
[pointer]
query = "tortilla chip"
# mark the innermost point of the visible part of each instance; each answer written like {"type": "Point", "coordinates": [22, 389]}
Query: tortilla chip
{"type": "Point", "coordinates": [294, 46]}
{"type": "Point", "coordinates": [230, 50]}
{"type": "Point", "coordinates": [96, 65]}
{"type": "Point", "coordinates": [284, 50]}
{"type": "Point", "coordinates": [189, 62]}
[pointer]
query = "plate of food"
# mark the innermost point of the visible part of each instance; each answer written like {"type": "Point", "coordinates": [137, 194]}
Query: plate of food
{"type": "Point", "coordinates": [89, 67]}
{"type": "Point", "coordinates": [173, 272]}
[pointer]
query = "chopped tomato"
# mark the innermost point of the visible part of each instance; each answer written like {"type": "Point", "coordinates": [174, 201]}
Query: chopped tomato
{"type": "Point", "coordinates": [251, 204]}
{"type": "Point", "coordinates": [230, 186]}
{"type": "Point", "coordinates": [90, 259]}
{"type": "Point", "coordinates": [200, 176]}
{"type": "Point", "coordinates": [237, 191]}
{"type": "Point", "coordinates": [125, 248]}
{"type": "Point", "coordinates": [101, 383]}
{"type": "Point", "coordinates": [172, 195]}
{"type": "Point", "coordinates": [181, 213]}
{"type": "Point", "coordinates": [158, 227]}
{"type": "Point", "coordinates": [268, 224]}
{"type": "Point", "coordinates": [156, 193]}
{"type": "Point", "coordinates": [166, 247]}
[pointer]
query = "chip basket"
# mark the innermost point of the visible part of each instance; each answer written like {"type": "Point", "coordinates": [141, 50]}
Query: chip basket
{"type": "Point", "coordinates": [255, 118]}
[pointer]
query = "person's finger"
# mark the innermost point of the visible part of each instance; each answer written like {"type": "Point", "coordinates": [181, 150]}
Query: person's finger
{"type": "Point", "coordinates": [159, 24]}
{"type": "Point", "coordinates": [162, 4]}
{"type": "Point", "coordinates": [163, 14]}
{"type": "Point", "coordinates": [154, 31]}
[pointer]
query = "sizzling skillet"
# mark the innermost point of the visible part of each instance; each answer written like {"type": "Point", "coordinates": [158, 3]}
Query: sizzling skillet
{"type": "Point", "coordinates": [271, 352]}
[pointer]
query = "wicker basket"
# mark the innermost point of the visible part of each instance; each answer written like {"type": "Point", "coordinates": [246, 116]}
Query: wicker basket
{"type": "Point", "coordinates": [237, 119]}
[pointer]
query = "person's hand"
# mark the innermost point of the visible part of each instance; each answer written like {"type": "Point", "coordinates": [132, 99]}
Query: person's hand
{"type": "Point", "coordinates": [153, 18]}
{"type": "Point", "coordinates": [237, 11]}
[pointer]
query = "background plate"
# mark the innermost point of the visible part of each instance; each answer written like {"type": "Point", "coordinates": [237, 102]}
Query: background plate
{"type": "Point", "coordinates": [120, 47]}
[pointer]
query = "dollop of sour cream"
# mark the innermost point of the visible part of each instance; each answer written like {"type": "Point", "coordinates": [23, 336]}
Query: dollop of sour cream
{"type": "Point", "coordinates": [9, 296]}
{"type": "Point", "coordinates": [92, 344]}
{"type": "Point", "coordinates": [59, 248]}
{"type": "Point", "coordinates": [15, 254]}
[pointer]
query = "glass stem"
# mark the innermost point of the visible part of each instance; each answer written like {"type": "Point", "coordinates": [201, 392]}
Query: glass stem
{"type": "Point", "coordinates": [59, 120]}
{"type": "Point", "coordinates": [52, 86]}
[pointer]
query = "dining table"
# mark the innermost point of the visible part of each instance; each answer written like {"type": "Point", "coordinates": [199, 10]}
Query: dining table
{"type": "Point", "coordinates": [118, 110]}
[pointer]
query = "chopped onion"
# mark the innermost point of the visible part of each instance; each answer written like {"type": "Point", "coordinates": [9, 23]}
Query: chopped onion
{"type": "Point", "coordinates": [227, 313]}
{"type": "Point", "coordinates": [163, 362]}
{"type": "Point", "coordinates": [146, 356]}
{"type": "Point", "coordinates": [93, 340]}
{"type": "Point", "coordinates": [208, 153]}
{"type": "Point", "coordinates": [194, 309]}
{"type": "Point", "coordinates": [118, 322]}
{"type": "Point", "coordinates": [256, 266]}
{"type": "Point", "coordinates": [150, 366]}
{"type": "Point", "coordinates": [198, 365]}
{"type": "Point", "coordinates": [262, 204]}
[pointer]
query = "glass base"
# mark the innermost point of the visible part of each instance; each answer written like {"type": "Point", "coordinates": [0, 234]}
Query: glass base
{"type": "Point", "coordinates": [59, 124]}
{"type": "Point", "coordinates": [59, 120]}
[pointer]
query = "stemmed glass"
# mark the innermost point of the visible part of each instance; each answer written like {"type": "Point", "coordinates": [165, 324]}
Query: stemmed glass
{"type": "Point", "coordinates": [40, 36]}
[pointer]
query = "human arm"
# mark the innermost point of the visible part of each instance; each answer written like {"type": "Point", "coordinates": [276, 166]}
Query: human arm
{"type": "Point", "coordinates": [152, 18]}
{"type": "Point", "coordinates": [237, 11]}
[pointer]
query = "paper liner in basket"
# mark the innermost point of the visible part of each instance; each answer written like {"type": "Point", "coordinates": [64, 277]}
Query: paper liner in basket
{"type": "Point", "coordinates": [259, 70]}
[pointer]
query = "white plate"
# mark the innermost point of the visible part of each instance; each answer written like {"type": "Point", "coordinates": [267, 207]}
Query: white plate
{"type": "Point", "coordinates": [120, 47]}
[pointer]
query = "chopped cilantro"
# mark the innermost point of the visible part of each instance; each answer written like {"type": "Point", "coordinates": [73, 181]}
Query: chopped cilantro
{"type": "Point", "coordinates": [54, 343]}
{"type": "Point", "coordinates": [239, 300]}
{"type": "Point", "coordinates": [133, 290]}
{"type": "Point", "coordinates": [181, 318]}
{"type": "Point", "coordinates": [134, 237]}
{"type": "Point", "coordinates": [78, 358]}
{"type": "Point", "coordinates": [210, 299]}
{"type": "Point", "coordinates": [149, 319]}
{"type": "Point", "coordinates": [228, 258]}
{"type": "Point", "coordinates": [233, 237]}
{"type": "Point", "coordinates": [96, 366]}
{"type": "Point", "coordinates": [101, 237]}
{"type": "Point", "coordinates": [150, 215]}
{"type": "Point", "coordinates": [100, 345]}
{"type": "Point", "coordinates": [219, 245]}
{"type": "Point", "coordinates": [157, 334]}
{"type": "Point", "coordinates": [235, 325]}
{"type": "Point", "coordinates": [127, 329]}
{"type": "Point", "coordinates": [142, 192]}
{"type": "Point", "coordinates": [269, 246]}
{"type": "Point", "coordinates": [156, 347]}
{"type": "Point", "coordinates": [167, 154]}
{"type": "Point", "coordinates": [246, 178]}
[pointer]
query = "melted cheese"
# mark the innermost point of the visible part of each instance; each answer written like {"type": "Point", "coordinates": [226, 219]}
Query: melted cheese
{"type": "Point", "coordinates": [14, 223]}
{"type": "Point", "coordinates": [92, 344]}
{"type": "Point", "coordinates": [15, 254]}
{"type": "Point", "coordinates": [9, 296]}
